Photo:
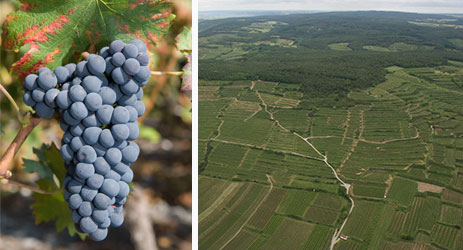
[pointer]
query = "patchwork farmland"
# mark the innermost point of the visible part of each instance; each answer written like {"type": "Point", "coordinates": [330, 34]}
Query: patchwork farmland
{"type": "Point", "coordinates": [265, 165]}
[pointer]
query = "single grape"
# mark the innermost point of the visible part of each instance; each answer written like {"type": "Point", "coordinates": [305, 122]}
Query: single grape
{"type": "Point", "coordinates": [91, 84]}
{"type": "Point", "coordinates": [75, 216]}
{"type": "Point", "coordinates": [84, 170]}
{"type": "Point", "coordinates": [62, 99]}
{"type": "Point", "coordinates": [93, 101]}
{"type": "Point", "coordinates": [103, 79]}
{"type": "Point", "coordinates": [43, 69]}
{"type": "Point", "coordinates": [121, 144]}
{"type": "Point", "coordinates": [134, 131]}
{"type": "Point", "coordinates": [104, 114]}
{"type": "Point", "coordinates": [119, 76]}
{"type": "Point", "coordinates": [109, 65]}
{"type": "Point", "coordinates": [130, 87]}
{"type": "Point", "coordinates": [116, 46]}
{"type": "Point", "coordinates": [88, 194]}
{"type": "Point", "coordinates": [28, 100]}
{"type": "Point", "coordinates": [75, 201]}
{"type": "Point", "coordinates": [104, 52]}
{"type": "Point", "coordinates": [38, 94]}
{"type": "Point", "coordinates": [67, 137]}
{"type": "Point", "coordinates": [76, 143]}
{"type": "Point", "coordinates": [120, 132]}
{"type": "Point", "coordinates": [113, 156]}
{"type": "Point", "coordinates": [69, 119]}
{"type": "Point", "coordinates": [67, 195]}
{"type": "Point", "coordinates": [43, 110]}
{"type": "Point", "coordinates": [66, 86]}
{"type": "Point", "coordinates": [139, 94]}
{"type": "Point", "coordinates": [47, 80]}
{"type": "Point", "coordinates": [116, 219]}
{"type": "Point", "coordinates": [74, 187]}
{"type": "Point", "coordinates": [133, 114]}
{"type": "Point", "coordinates": [141, 46]}
{"type": "Point", "coordinates": [110, 187]}
{"type": "Point", "coordinates": [99, 149]}
{"type": "Point", "coordinates": [71, 67]}
{"type": "Point", "coordinates": [106, 223]}
{"type": "Point", "coordinates": [50, 97]}
{"type": "Point", "coordinates": [81, 69]}
{"type": "Point", "coordinates": [130, 153]}
{"type": "Point", "coordinates": [63, 125]}
{"type": "Point", "coordinates": [99, 235]}
{"type": "Point", "coordinates": [101, 166]}
{"type": "Point", "coordinates": [87, 225]}
{"type": "Point", "coordinates": [116, 89]}
{"type": "Point", "coordinates": [144, 59]}
{"type": "Point", "coordinates": [62, 74]}
{"type": "Point", "coordinates": [108, 95]}
{"type": "Point", "coordinates": [143, 74]}
{"type": "Point", "coordinates": [91, 135]}
{"type": "Point", "coordinates": [67, 153]}
{"type": "Point", "coordinates": [118, 59]}
{"type": "Point", "coordinates": [99, 215]}
{"type": "Point", "coordinates": [130, 51]}
{"type": "Point", "coordinates": [131, 66]}
{"type": "Point", "coordinates": [87, 154]}
{"type": "Point", "coordinates": [140, 107]}
{"type": "Point", "coordinates": [106, 138]}
{"type": "Point", "coordinates": [96, 65]}
{"type": "Point", "coordinates": [78, 110]}
{"type": "Point", "coordinates": [120, 201]}
{"type": "Point", "coordinates": [30, 82]}
{"type": "Point", "coordinates": [127, 176]}
{"type": "Point", "coordinates": [123, 190]}
{"type": "Point", "coordinates": [102, 201]}
{"type": "Point", "coordinates": [95, 181]}
{"type": "Point", "coordinates": [120, 115]}
{"type": "Point", "coordinates": [91, 121]}
{"type": "Point", "coordinates": [76, 81]}
{"type": "Point", "coordinates": [77, 93]}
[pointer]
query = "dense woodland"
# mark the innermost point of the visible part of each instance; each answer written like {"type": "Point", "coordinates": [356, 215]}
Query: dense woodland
{"type": "Point", "coordinates": [311, 62]}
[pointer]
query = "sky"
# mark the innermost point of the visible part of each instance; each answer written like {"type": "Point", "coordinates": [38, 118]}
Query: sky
{"type": "Point", "coordinates": [422, 6]}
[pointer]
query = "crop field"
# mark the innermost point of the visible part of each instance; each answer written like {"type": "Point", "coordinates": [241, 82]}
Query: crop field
{"type": "Point", "coordinates": [270, 149]}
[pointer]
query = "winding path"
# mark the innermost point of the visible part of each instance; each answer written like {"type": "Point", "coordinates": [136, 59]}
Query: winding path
{"type": "Point", "coordinates": [337, 233]}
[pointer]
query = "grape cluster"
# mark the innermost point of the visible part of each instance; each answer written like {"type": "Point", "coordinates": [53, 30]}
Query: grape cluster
{"type": "Point", "coordinates": [98, 102]}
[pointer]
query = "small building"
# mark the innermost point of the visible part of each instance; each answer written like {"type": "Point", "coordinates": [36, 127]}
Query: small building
{"type": "Point", "coordinates": [344, 237]}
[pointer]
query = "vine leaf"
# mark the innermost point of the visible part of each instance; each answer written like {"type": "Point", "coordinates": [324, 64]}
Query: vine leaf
{"type": "Point", "coordinates": [50, 33]}
{"type": "Point", "coordinates": [184, 40]}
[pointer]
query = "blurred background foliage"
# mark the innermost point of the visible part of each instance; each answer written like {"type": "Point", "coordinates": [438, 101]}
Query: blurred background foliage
{"type": "Point", "coordinates": [162, 173]}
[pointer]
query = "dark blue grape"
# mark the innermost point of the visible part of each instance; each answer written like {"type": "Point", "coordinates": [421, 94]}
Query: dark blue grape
{"type": "Point", "coordinates": [95, 181]}
{"type": "Point", "coordinates": [66, 86]}
{"type": "Point", "coordinates": [43, 69]}
{"type": "Point", "coordinates": [43, 110]}
{"type": "Point", "coordinates": [104, 52]}
{"type": "Point", "coordinates": [91, 121]}
{"type": "Point", "coordinates": [76, 81]}
{"type": "Point", "coordinates": [78, 110]}
{"type": "Point", "coordinates": [110, 187]}
{"type": "Point", "coordinates": [67, 153]}
{"type": "Point", "coordinates": [121, 144]}
{"type": "Point", "coordinates": [63, 125]}
{"type": "Point", "coordinates": [69, 119]}
{"type": "Point", "coordinates": [109, 66]}
{"type": "Point", "coordinates": [113, 156]}
{"type": "Point", "coordinates": [96, 65]}
{"type": "Point", "coordinates": [76, 216]}
{"type": "Point", "coordinates": [140, 107]}
{"type": "Point", "coordinates": [62, 74]}
{"type": "Point", "coordinates": [47, 80]}
{"type": "Point", "coordinates": [134, 131]}
{"type": "Point", "coordinates": [50, 97]}
{"type": "Point", "coordinates": [143, 74]}
{"type": "Point", "coordinates": [141, 46]}
{"type": "Point", "coordinates": [116, 219]}
{"type": "Point", "coordinates": [84, 170]}
{"type": "Point", "coordinates": [91, 135]}
{"type": "Point", "coordinates": [120, 132]}
{"type": "Point", "coordinates": [144, 59]}
{"type": "Point", "coordinates": [106, 138]}
{"type": "Point", "coordinates": [87, 154]}
{"type": "Point", "coordinates": [116, 46]}
{"type": "Point", "coordinates": [128, 100]}
{"type": "Point", "coordinates": [131, 66]}
{"type": "Point", "coordinates": [30, 82]}
{"type": "Point", "coordinates": [91, 84]}
{"type": "Point", "coordinates": [99, 149]}
{"type": "Point", "coordinates": [93, 101]}
{"type": "Point", "coordinates": [127, 176]}
{"type": "Point", "coordinates": [81, 69]}
{"type": "Point", "coordinates": [87, 225]}
{"type": "Point", "coordinates": [38, 95]}
{"type": "Point", "coordinates": [99, 235]}
{"type": "Point", "coordinates": [130, 153]}
{"type": "Point", "coordinates": [88, 194]}
{"type": "Point", "coordinates": [100, 215]}
{"type": "Point", "coordinates": [74, 187]}
{"type": "Point", "coordinates": [133, 114]}
{"type": "Point", "coordinates": [108, 95]}
{"type": "Point", "coordinates": [75, 201]}
{"type": "Point", "coordinates": [119, 76]}
{"type": "Point", "coordinates": [139, 94]}
{"type": "Point", "coordinates": [121, 168]}
{"type": "Point", "coordinates": [104, 114]}
{"type": "Point", "coordinates": [62, 99]}
{"type": "Point", "coordinates": [76, 143]}
{"type": "Point", "coordinates": [120, 115]}
{"type": "Point", "coordinates": [101, 166]}
{"type": "Point", "coordinates": [118, 59]}
{"type": "Point", "coordinates": [71, 67]}
{"type": "Point", "coordinates": [28, 100]}
{"type": "Point", "coordinates": [130, 51]}
{"type": "Point", "coordinates": [102, 201]}
{"type": "Point", "coordinates": [130, 87]}
{"type": "Point", "coordinates": [77, 130]}
{"type": "Point", "coordinates": [67, 137]}
{"type": "Point", "coordinates": [113, 175]}
{"type": "Point", "coordinates": [77, 93]}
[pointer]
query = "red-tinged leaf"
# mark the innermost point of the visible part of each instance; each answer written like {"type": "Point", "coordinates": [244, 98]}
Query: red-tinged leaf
{"type": "Point", "coordinates": [187, 74]}
{"type": "Point", "coordinates": [55, 31]}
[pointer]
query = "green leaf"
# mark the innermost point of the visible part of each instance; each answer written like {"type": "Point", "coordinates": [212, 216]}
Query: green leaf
{"type": "Point", "coordinates": [149, 134]}
{"type": "Point", "coordinates": [31, 166]}
{"type": "Point", "coordinates": [184, 40]}
{"type": "Point", "coordinates": [58, 30]}
{"type": "Point", "coordinates": [48, 207]}
{"type": "Point", "coordinates": [55, 162]}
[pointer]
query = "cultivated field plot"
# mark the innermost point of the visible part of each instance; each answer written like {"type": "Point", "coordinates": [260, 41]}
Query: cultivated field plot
{"type": "Point", "coordinates": [400, 146]}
